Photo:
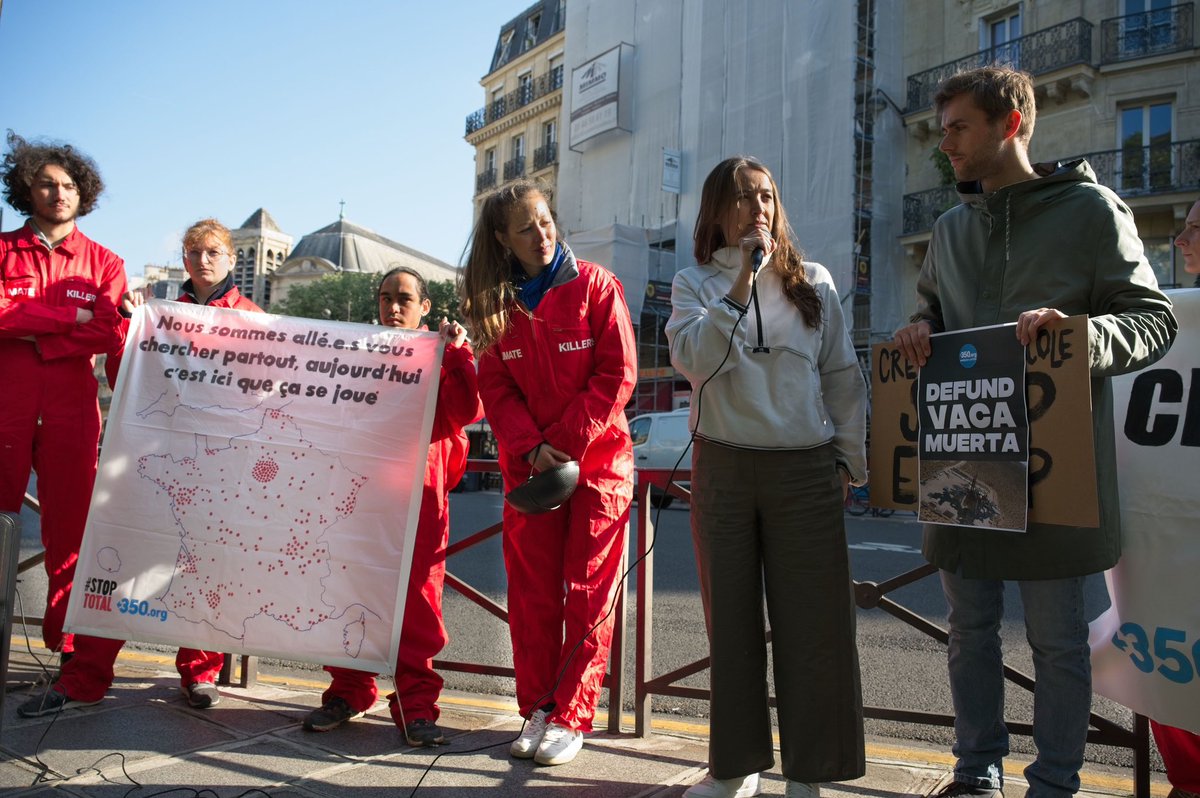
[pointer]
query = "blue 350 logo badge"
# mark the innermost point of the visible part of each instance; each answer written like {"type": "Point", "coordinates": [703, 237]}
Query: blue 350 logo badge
{"type": "Point", "coordinates": [967, 356]}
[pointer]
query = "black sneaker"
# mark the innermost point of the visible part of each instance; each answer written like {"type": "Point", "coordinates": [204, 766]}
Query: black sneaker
{"type": "Point", "coordinates": [49, 703]}
{"type": "Point", "coordinates": [201, 695]}
{"type": "Point", "coordinates": [332, 714]}
{"type": "Point", "coordinates": [424, 732]}
{"type": "Point", "coordinates": [960, 789]}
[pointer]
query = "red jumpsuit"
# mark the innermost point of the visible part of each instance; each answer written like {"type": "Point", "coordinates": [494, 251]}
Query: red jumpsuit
{"type": "Point", "coordinates": [563, 374]}
{"type": "Point", "coordinates": [1180, 751]}
{"type": "Point", "coordinates": [51, 419]}
{"type": "Point", "coordinates": [193, 664]}
{"type": "Point", "coordinates": [422, 632]}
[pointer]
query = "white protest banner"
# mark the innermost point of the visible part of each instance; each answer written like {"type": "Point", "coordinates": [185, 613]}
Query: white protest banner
{"type": "Point", "coordinates": [973, 443]}
{"type": "Point", "coordinates": [259, 486]}
{"type": "Point", "coordinates": [1146, 647]}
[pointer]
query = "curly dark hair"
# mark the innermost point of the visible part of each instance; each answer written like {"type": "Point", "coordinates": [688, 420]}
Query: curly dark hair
{"type": "Point", "coordinates": [24, 160]}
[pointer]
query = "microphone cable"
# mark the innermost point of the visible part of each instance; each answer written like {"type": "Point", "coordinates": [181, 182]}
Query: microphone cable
{"type": "Point", "coordinates": [742, 311]}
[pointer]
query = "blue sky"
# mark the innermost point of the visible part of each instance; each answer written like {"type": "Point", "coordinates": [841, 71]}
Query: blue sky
{"type": "Point", "coordinates": [217, 108]}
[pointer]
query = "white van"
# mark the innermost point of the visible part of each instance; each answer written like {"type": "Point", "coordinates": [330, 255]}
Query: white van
{"type": "Point", "coordinates": [658, 441]}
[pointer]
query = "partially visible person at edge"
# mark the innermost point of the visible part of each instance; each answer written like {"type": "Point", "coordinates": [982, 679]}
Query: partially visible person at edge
{"type": "Point", "coordinates": [556, 368]}
{"type": "Point", "coordinates": [59, 292]}
{"type": "Point", "coordinates": [1030, 244]}
{"type": "Point", "coordinates": [208, 258]}
{"type": "Point", "coordinates": [779, 412]}
{"type": "Point", "coordinates": [1180, 748]}
{"type": "Point", "coordinates": [403, 300]}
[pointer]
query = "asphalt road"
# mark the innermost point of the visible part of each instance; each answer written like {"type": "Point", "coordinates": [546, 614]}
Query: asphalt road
{"type": "Point", "coordinates": [901, 667]}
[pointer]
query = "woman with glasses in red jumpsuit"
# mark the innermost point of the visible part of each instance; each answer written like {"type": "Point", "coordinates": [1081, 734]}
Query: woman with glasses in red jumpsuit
{"type": "Point", "coordinates": [208, 257]}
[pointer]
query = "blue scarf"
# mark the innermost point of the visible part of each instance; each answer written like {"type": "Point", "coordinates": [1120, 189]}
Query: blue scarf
{"type": "Point", "coordinates": [530, 290]}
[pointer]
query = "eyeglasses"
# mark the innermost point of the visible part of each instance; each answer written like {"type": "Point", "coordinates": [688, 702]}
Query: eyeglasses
{"type": "Point", "coordinates": [196, 255]}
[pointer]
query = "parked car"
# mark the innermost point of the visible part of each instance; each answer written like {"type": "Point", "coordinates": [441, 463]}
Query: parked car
{"type": "Point", "coordinates": [659, 439]}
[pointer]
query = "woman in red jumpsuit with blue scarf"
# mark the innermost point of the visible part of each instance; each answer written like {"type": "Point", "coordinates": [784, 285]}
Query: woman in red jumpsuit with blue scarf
{"type": "Point", "coordinates": [557, 365]}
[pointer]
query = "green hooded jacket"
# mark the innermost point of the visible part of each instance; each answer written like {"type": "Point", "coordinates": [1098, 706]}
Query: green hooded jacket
{"type": "Point", "coordinates": [1059, 241]}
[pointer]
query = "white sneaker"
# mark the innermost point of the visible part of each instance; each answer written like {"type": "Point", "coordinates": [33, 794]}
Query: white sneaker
{"type": "Point", "coordinates": [724, 788]}
{"type": "Point", "coordinates": [527, 744]}
{"type": "Point", "coordinates": [798, 789]}
{"type": "Point", "coordinates": [559, 745]}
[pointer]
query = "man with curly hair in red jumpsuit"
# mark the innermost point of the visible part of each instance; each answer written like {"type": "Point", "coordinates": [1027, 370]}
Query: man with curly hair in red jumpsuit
{"type": "Point", "coordinates": [557, 365]}
{"type": "Point", "coordinates": [403, 298]}
{"type": "Point", "coordinates": [58, 308]}
{"type": "Point", "coordinates": [208, 257]}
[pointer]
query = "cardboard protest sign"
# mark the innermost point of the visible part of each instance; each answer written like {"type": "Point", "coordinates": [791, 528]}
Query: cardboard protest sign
{"type": "Point", "coordinates": [1146, 646]}
{"type": "Point", "coordinates": [1062, 468]}
{"type": "Point", "coordinates": [259, 486]}
{"type": "Point", "coordinates": [973, 440]}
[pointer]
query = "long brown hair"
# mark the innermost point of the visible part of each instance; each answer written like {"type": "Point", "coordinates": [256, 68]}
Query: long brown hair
{"type": "Point", "coordinates": [720, 193]}
{"type": "Point", "coordinates": [485, 286]}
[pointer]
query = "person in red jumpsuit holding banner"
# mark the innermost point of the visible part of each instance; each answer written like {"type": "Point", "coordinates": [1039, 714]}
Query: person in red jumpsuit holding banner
{"type": "Point", "coordinates": [208, 257]}
{"type": "Point", "coordinates": [1180, 748]}
{"type": "Point", "coordinates": [557, 365]}
{"type": "Point", "coordinates": [58, 308]}
{"type": "Point", "coordinates": [403, 302]}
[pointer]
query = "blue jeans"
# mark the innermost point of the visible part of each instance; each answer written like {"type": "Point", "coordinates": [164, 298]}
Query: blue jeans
{"type": "Point", "coordinates": [1058, 635]}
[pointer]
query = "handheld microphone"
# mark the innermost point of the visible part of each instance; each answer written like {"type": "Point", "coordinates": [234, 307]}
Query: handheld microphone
{"type": "Point", "coordinates": [756, 260]}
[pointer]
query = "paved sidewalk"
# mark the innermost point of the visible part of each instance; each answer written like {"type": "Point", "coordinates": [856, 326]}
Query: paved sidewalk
{"type": "Point", "coordinates": [144, 733]}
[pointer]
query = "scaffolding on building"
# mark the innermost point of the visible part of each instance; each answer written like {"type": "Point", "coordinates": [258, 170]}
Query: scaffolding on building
{"type": "Point", "coordinates": [864, 152]}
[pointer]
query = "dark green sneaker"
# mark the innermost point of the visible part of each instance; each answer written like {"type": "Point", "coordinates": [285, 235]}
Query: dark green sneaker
{"type": "Point", "coordinates": [424, 732]}
{"type": "Point", "coordinates": [332, 714]}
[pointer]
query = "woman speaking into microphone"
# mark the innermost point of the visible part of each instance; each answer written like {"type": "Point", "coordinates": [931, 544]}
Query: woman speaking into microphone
{"type": "Point", "coordinates": [779, 413]}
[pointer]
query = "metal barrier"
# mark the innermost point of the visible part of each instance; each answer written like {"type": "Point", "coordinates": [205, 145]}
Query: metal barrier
{"type": "Point", "coordinates": [248, 671]}
{"type": "Point", "coordinates": [10, 552]}
{"type": "Point", "coordinates": [867, 595]}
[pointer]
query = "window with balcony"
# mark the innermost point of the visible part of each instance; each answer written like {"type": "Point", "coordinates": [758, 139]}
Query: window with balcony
{"type": "Point", "coordinates": [556, 73]}
{"type": "Point", "coordinates": [1148, 25]}
{"type": "Point", "coordinates": [999, 34]}
{"type": "Point", "coordinates": [525, 88]}
{"type": "Point", "coordinates": [547, 154]}
{"type": "Point", "coordinates": [1145, 147]}
{"type": "Point", "coordinates": [487, 176]}
{"type": "Point", "coordinates": [515, 166]}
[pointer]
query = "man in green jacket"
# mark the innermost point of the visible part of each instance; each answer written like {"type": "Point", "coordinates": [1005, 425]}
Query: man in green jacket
{"type": "Point", "coordinates": [1030, 244]}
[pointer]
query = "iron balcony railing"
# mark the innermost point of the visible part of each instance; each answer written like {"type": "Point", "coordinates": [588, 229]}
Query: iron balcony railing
{"type": "Point", "coordinates": [1038, 53]}
{"type": "Point", "coordinates": [514, 168]}
{"type": "Point", "coordinates": [485, 180]}
{"type": "Point", "coordinates": [546, 155]}
{"type": "Point", "coordinates": [923, 208]}
{"type": "Point", "coordinates": [518, 98]}
{"type": "Point", "coordinates": [1156, 169]}
{"type": "Point", "coordinates": [1130, 171]}
{"type": "Point", "coordinates": [1157, 32]}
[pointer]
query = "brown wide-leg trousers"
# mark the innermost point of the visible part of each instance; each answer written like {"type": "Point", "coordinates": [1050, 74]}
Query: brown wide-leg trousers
{"type": "Point", "coordinates": [774, 519]}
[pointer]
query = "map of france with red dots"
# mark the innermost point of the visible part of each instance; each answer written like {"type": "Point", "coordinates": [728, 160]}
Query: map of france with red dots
{"type": "Point", "coordinates": [212, 496]}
